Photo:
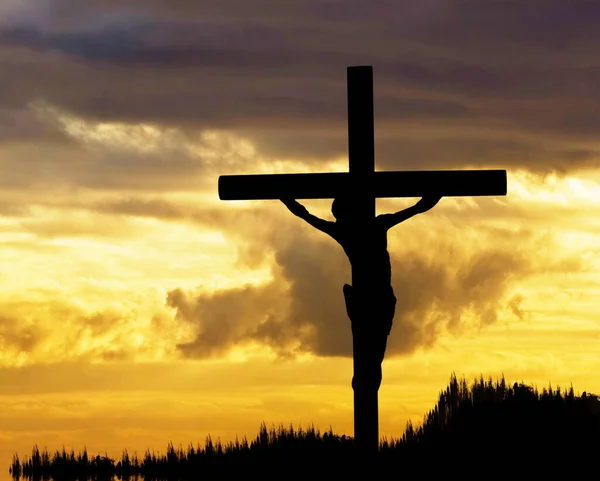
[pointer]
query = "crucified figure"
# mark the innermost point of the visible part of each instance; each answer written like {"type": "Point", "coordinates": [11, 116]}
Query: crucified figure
{"type": "Point", "coordinates": [366, 248]}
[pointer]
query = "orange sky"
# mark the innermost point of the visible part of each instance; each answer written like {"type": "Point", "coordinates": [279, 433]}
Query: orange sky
{"type": "Point", "coordinates": [137, 308]}
{"type": "Point", "coordinates": [89, 353]}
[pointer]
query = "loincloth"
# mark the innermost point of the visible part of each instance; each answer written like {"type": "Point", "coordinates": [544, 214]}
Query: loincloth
{"type": "Point", "coordinates": [379, 305]}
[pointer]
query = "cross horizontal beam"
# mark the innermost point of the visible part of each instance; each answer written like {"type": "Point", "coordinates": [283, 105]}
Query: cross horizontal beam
{"type": "Point", "coordinates": [446, 183]}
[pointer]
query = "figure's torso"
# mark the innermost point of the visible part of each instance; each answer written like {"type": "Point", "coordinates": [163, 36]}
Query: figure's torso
{"type": "Point", "coordinates": [366, 248]}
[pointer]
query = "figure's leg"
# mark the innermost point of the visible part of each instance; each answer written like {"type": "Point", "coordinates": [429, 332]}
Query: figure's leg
{"type": "Point", "coordinates": [350, 311]}
{"type": "Point", "coordinates": [373, 336]}
{"type": "Point", "coordinates": [388, 304]}
{"type": "Point", "coordinates": [370, 350]}
{"type": "Point", "coordinates": [348, 298]}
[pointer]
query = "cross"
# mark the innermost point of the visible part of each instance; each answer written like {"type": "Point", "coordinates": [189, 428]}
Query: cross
{"type": "Point", "coordinates": [366, 185]}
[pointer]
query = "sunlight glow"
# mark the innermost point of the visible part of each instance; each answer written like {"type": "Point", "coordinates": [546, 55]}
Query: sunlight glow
{"type": "Point", "coordinates": [89, 280]}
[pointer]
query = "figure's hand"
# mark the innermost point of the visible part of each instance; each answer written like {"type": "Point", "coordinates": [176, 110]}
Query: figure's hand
{"type": "Point", "coordinates": [427, 203]}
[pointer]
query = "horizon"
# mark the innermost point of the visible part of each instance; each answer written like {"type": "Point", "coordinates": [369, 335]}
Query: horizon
{"type": "Point", "coordinates": [138, 308]}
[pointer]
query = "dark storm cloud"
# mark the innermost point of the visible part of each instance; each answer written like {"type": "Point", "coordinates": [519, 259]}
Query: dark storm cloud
{"type": "Point", "coordinates": [429, 299]}
{"type": "Point", "coordinates": [64, 163]}
{"type": "Point", "coordinates": [275, 71]}
{"type": "Point", "coordinates": [113, 44]}
{"type": "Point", "coordinates": [115, 158]}
{"type": "Point", "coordinates": [302, 308]}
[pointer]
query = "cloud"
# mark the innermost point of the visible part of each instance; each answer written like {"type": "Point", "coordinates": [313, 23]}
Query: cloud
{"type": "Point", "coordinates": [457, 269]}
{"type": "Point", "coordinates": [228, 318]}
{"type": "Point", "coordinates": [39, 327]}
{"type": "Point", "coordinates": [440, 285]}
{"type": "Point", "coordinates": [81, 154]}
{"type": "Point", "coordinates": [276, 74]}
{"type": "Point", "coordinates": [118, 105]}
{"type": "Point", "coordinates": [460, 268]}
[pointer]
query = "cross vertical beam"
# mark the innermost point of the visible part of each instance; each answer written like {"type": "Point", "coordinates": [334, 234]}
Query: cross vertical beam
{"type": "Point", "coordinates": [361, 135]}
{"type": "Point", "coordinates": [361, 155]}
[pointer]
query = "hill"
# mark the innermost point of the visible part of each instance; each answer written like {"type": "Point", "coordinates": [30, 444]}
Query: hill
{"type": "Point", "coordinates": [486, 430]}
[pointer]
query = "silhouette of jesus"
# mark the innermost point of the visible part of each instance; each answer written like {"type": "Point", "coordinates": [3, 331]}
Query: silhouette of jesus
{"type": "Point", "coordinates": [366, 248]}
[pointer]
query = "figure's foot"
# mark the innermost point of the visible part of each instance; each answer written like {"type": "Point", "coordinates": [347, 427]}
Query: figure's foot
{"type": "Point", "coordinates": [368, 381]}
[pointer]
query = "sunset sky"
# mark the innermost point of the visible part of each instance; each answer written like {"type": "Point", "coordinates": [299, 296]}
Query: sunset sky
{"type": "Point", "coordinates": [138, 308]}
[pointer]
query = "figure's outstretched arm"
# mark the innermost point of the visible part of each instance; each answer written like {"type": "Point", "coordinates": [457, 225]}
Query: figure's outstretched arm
{"type": "Point", "coordinates": [300, 211]}
{"type": "Point", "coordinates": [390, 220]}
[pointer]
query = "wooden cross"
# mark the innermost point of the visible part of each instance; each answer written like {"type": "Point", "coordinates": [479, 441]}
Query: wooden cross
{"type": "Point", "coordinates": [366, 185]}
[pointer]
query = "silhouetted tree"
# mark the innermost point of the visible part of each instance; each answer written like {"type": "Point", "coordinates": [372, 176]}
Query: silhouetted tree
{"type": "Point", "coordinates": [481, 431]}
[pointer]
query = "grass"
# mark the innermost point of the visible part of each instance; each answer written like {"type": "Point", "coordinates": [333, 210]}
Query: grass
{"type": "Point", "coordinates": [485, 430]}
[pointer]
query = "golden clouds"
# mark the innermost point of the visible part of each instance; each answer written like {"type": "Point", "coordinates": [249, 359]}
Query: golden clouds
{"type": "Point", "coordinates": [110, 294]}
{"type": "Point", "coordinates": [110, 273]}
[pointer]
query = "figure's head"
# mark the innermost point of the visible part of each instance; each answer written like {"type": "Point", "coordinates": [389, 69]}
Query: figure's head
{"type": "Point", "coordinates": [342, 208]}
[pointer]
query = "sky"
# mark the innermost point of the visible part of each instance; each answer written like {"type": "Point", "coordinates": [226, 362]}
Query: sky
{"type": "Point", "coordinates": [137, 308]}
